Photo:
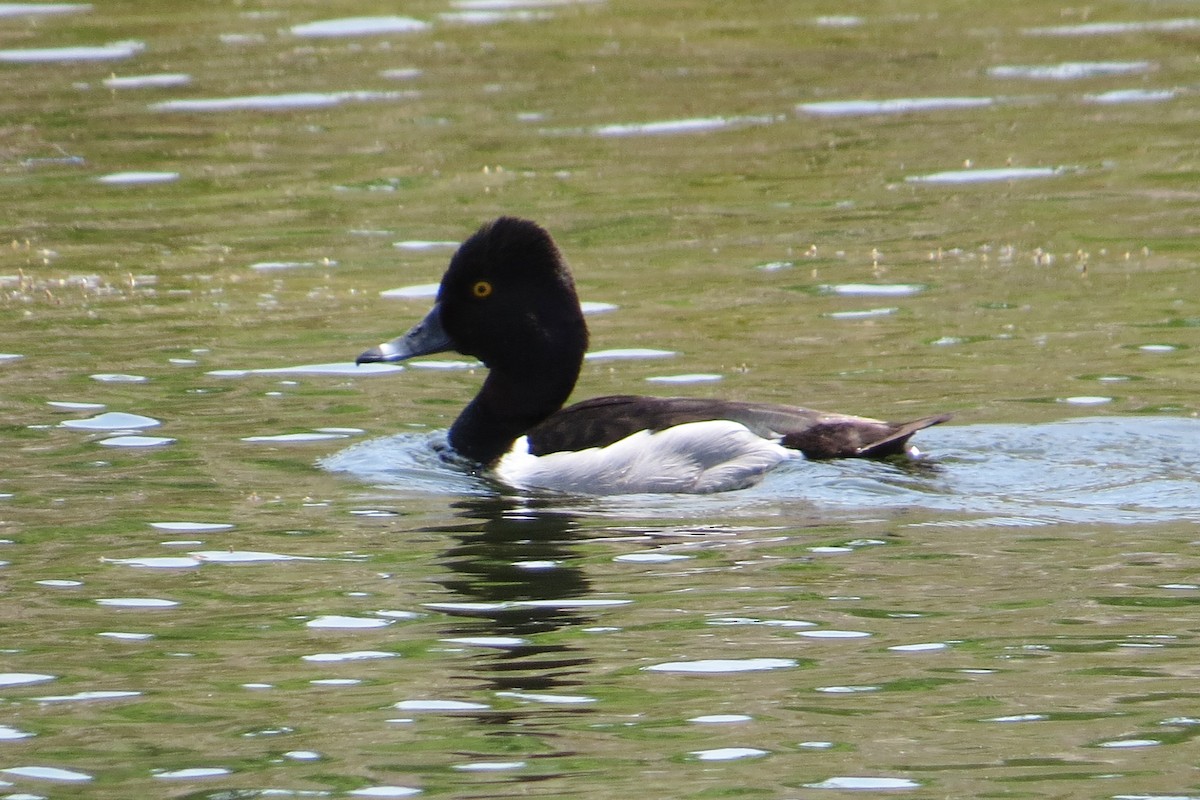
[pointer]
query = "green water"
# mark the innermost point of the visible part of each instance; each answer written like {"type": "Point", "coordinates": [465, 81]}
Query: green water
{"type": "Point", "coordinates": [1044, 568]}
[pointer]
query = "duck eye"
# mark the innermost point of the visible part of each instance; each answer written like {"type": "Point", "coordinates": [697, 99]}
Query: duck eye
{"type": "Point", "coordinates": [481, 289]}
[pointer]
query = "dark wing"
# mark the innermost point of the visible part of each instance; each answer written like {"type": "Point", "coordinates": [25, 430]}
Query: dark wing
{"type": "Point", "coordinates": [818, 434]}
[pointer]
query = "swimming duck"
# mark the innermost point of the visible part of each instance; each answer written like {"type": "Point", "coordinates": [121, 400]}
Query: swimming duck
{"type": "Point", "coordinates": [508, 299]}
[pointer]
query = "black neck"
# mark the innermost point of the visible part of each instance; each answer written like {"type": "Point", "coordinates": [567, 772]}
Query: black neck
{"type": "Point", "coordinates": [506, 407]}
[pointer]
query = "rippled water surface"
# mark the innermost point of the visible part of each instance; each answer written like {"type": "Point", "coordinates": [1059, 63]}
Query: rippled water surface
{"type": "Point", "coordinates": [235, 566]}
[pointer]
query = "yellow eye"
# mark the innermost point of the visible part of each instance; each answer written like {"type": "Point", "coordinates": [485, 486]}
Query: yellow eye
{"type": "Point", "coordinates": [481, 289]}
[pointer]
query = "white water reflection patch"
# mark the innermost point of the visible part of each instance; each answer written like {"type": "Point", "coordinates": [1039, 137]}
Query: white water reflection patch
{"type": "Point", "coordinates": [359, 26]}
{"type": "Point", "coordinates": [384, 791]}
{"type": "Point", "coordinates": [161, 80]}
{"type": "Point", "coordinates": [38, 9]}
{"type": "Point", "coordinates": [1116, 28]}
{"type": "Point", "coordinates": [340, 622]}
{"type": "Point", "coordinates": [872, 289]}
{"type": "Point", "coordinates": [1120, 96]}
{"type": "Point", "coordinates": [1069, 70]}
{"type": "Point", "coordinates": [48, 774]}
{"type": "Point", "coordinates": [961, 176]}
{"type": "Point", "coordinates": [899, 105]}
{"type": "Point", "coordinates": [191, 773]}
{"type": "Point", "coordinates": [119, 377]}
{"type": "Point", "coordinates": [690, 377]}
{"type": "Point", "coordinates": [87, 697]}
{"type": "Point", "coordinates": [425, 244]}
{"type": "Point", "coordinates": [107, 52]}
{"type": "Point", "coordinates": [191, 527]}
{"type": "Point", "coordinates": [24, 678]}
{"type": "Point", "coordinates": [551, 699]}
{"type": "Point", "coordinates": [111, 421]}
{"type": "Point", "coordinates": [354, 655]}
{"type": "Point", "coordinates": [342, 368]}
{"type": "Point", "coordinates": [635, 353]}
{"type": "Point", "coordinates": [67, 405]}
{"type": "Point", "coordinates": [677, 126]}
{"type": "Point", "coordinates": [277, 102]}
{"type": "Point", "coordinates": [440, 705]}
{"type": "Point", "coordinates": [720, 719]}
{"type": "Point", "coordinates": [137, 441]}
{"type": "Point", "coordinates": [864, 784]}
{"type": "Point", "coordinates": [128, 178]}
{"type": "Point", "coordinates": [10, 734]}
{"type": "Point", "coordinates": [715, 666]}
{"type": "Point", "coordinates": [136, 602]}
{"type": "Point", "coordinates": [728, 753]}
{"type": "Point", "coordinates": [156, 562]}
{"type": "Point", "coordinates": [294, 438]}
{"type": "Point", "coordinates": [419, 291]}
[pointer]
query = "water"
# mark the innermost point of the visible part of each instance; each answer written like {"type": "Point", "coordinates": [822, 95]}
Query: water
{"type": "Point", "coordinates": [234, 564]}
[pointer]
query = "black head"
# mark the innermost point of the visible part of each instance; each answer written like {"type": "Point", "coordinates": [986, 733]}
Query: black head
{"type": "Point", "coordinates": [507, 298]}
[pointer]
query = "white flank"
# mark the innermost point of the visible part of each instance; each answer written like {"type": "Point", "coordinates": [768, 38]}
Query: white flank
{"type": "Point", "coordinates": [698, 457]}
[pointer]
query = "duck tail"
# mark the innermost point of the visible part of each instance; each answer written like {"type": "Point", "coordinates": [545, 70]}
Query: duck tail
{"type": "Point", "coordinates": [856, 437]}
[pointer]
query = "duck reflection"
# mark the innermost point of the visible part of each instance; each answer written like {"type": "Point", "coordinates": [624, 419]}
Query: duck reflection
{"type": "Point", "coordinates": [511, 569]}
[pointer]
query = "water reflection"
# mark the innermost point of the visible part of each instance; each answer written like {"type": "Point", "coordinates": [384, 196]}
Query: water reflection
{"type": "Point", "coordinates": [512, 562]}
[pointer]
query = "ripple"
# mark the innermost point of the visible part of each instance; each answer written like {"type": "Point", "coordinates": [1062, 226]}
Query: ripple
{"type": "Point", "coordinates": [1115, 28]}
{"type": "Point", "coordinates": [294, 438]}
{"type": "Point", "coordinates": [87, 697]}
{"type": "Point", "coordinates": [67, 405]}
{"type": "Point", "coordinates": [137, 441]}
{"type": "Point", "coordinates": [723, 665]}
{"type": "Point", "coordinates": [191, 773]}
{"type": "Point", "coordinates": [107, 52]}
{"type": "Point", "coordinates": [489, 766]}
{"type": "Point", "coordinates": [425, 244]}
{"type": "Point", "coordinates": [136, 602]}
{"type": "Point", "coordinates": [1069, 70]}
{"type": "Point", "coordinates": [864, 784]}
{"type": "Point", "coordinates": [873, 289]}
{"type": "Point", "coordinates": [157, 81]}
{"type": "Point", "coordinates": [126, 178]}
{"type": "Point", "coordinates": [276, 102]}
{"type": "Point", "coordinates": [550, 699]}
{"type": "Point", "coordinates": [867, 314]}
{"type": "Point", "coordinates": [1129, 743]}
{"type": "Point", "coordinates": [346, 368]}
{"type": "Point", "coordinates": [628, 353]}
{"type": "Point", "coordinates": [500, 642]}
{"type": "Point", "coordinates": [834, 634]}
{"type": "Point", "coordinates": [1119, 96]}
{"type": "Point", "coordinates": [900, 105]}
{"type": "Point", "coordinates": [191, 527]}
{"type": "Point", "coordinates": [961, 176]}
{"type": "Point", "coordinates": [1085, 400]}
{"type": "Point", "coordinates": [123, 636]}
{"type": "Point", "coordinates": [1020, 718]}
{"type": "Point", "coordinates": [677, 126]}
{"type": "Point", "coordinates": [38, 9]}
{"type": "Point", "coordinates": [10, 734]}
{"type": "Point", "coordinates": [24, 678]}
{"type": "Point", "coordinates": [354, 655]}
{"type": "Point", "coordinates": [156, 562]}
{"type": "Point", "coordinates": [440, 705]}
{"type": "Point", "coordinates": [728, 753]}
{"type": "Point", "coordinates": [419, 291]}
{"type": "Point", "coordinates": [118, 377]}
{"type": "Point", "coordinates": [359, 26]}
{"type": "Point", "coordinates": [244, 557]}
{"type": "Point", "coordinates": [922, 647]}
{"type": "Point", "coordinates": [691, 377]}
{"type": "Point", "coordinates": [650, 558]}
{"type": "Point", "coordinates": [340, 622]}
{"type": "Point", "coordinates": [111, 421]}
{"type": "Point", "coordinates": [48, 774]}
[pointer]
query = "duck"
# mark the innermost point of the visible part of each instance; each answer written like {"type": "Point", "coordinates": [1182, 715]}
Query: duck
{"type": "Point", "coordinates": [508, 299]}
